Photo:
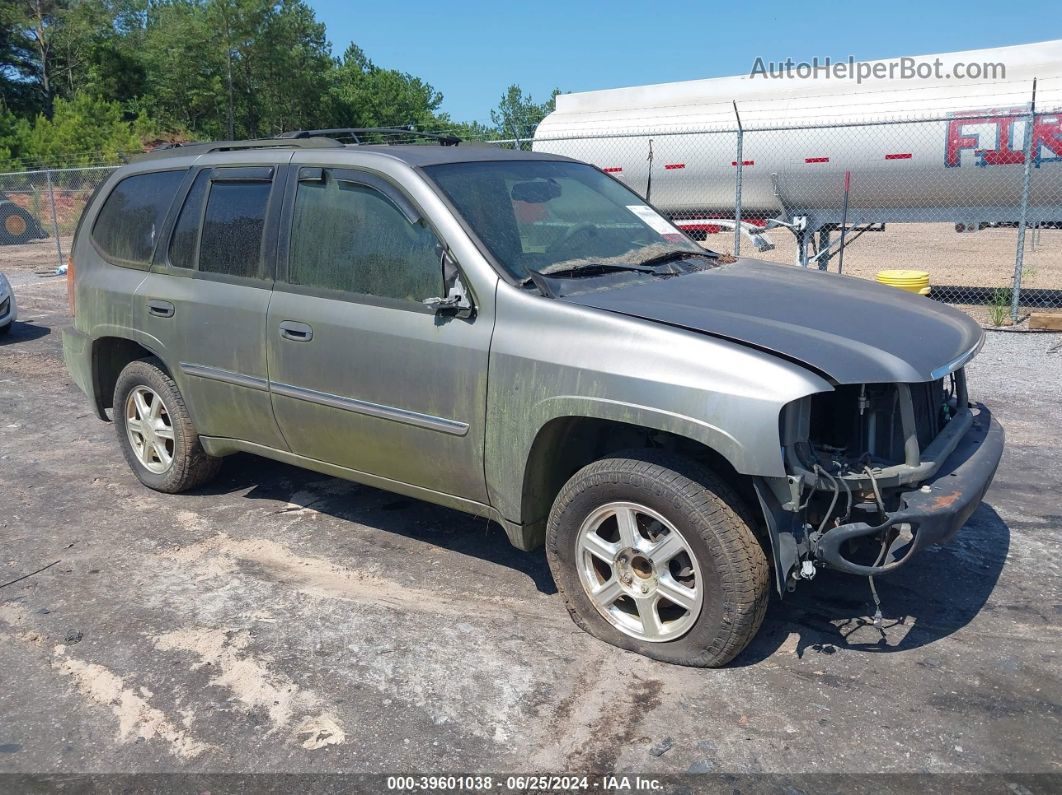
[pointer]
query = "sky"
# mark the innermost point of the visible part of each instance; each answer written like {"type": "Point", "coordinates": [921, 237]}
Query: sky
{"type": "Point", "coordinates": [471, 50]}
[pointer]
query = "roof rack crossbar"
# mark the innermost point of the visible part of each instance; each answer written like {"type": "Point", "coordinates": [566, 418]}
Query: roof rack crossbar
{"type": "Point", "coordinates": [315, 142]}
{"type": "Point", "coordinates": [357, 134]}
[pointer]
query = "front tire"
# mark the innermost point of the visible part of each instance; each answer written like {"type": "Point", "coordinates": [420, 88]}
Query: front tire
{"type": "Point", "coordinates": [156, 434]}
{"type": "Point", "coordinates": [655, 554]}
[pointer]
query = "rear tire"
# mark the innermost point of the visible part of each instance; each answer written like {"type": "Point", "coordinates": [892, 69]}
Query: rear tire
{"type": "Point", "coordinates": [157, 437]}
{"type": "Point", "coordinates": [715, 558]}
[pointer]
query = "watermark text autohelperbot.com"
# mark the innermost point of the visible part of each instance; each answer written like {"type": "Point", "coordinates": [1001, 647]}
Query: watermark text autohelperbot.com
{"type": "Point", "coordinates": [905, 68]}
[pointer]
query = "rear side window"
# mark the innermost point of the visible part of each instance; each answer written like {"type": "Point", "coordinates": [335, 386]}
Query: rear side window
{"type": "Point", "coordinates": [130, 220]}
{"type": "Point", "coordinates": [232, 228]}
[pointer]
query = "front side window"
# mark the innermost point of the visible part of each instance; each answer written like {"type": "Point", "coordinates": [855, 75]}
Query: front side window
{"type": "Point", "coordinates": [231, 242]}
{"type": "Point", "coordinates": [349, 237]}
{"type": "Point", "coordinates": [547, 215]}
{"type": "Point", "coordinates": [130, 220]}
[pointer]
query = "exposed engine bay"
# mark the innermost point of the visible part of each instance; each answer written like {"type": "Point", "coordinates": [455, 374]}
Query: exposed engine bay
{"type": "Point", "coordinates": [853, 454]}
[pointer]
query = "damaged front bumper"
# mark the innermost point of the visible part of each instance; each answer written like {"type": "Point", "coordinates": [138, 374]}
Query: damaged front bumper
{"type": "Point", "coordinates": [930, 514]}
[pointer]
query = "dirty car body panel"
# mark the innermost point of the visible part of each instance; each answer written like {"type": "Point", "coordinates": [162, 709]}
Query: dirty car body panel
{"type": "Point", "coordinates": [801, 386]}
{"type": "Point", "coordinates": [852, 330]}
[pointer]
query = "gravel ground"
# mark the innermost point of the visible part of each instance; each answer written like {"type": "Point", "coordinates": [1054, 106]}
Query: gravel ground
{"type": "Point", "coordinates": [279, 620]}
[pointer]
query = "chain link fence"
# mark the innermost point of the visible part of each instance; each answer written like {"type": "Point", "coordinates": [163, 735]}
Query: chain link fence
{"type": "Point", "coordinates": [974, 199]}
{"type": "Point", "coordinates": [39, 211]}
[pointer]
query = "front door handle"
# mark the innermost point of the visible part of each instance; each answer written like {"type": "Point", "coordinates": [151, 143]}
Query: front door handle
{"type": "Point", "coordinates": [295, 331]}
{"type": "Point", "coordinates": [160, 308]}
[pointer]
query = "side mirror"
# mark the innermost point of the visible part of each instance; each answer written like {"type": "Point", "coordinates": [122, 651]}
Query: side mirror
{"type": "Point", "coordinates": [457, 301]}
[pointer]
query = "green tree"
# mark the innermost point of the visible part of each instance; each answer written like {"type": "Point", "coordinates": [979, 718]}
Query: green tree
{"type": "Point", "coordinates": [517, 114]}
{"type": "Point", "coordinates": [83, 79]}
{"type": "Point", "coordinates": [81, 131]}
{"type": "Point", "coordinates": [96, 48]}
{"type": "Point", "coordinates": [19, 88]}
{"type": "Point", "coordinates": [185, 68]}
{"type": "Point", "coordinates": [236, 68]}
{"type": "Point", "coordinates": [14, 140]}
{"type": "Point", "coordinates": [367, 95]}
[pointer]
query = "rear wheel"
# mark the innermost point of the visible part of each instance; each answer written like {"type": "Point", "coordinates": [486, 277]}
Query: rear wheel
{"type": "Point", "coordinates": [655, 554]}
{"type": "Point", "coordinates": [157, 437]}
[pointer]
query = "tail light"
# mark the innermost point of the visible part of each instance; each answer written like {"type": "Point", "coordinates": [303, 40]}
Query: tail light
{"type": "Point", "coordinates": [70, 283]}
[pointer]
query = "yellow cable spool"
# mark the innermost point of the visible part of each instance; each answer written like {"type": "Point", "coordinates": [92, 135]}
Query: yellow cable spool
{"type": "Point", "coordinates": [911, 281]}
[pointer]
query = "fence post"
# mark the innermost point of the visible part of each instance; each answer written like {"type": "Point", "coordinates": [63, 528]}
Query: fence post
{"type": "Point", "coordinates": [55, 219]}
{"type": "Point", "coordinates": [737, 182]}
{"type": "Point", "coordinates": [1019, 255]}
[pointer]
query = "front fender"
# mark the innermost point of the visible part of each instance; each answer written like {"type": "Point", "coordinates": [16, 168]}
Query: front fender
{"type": "Point", "coordinates": [550, 360]}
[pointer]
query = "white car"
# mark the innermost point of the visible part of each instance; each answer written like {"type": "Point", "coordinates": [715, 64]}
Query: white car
{"type": "Point", "coordinates": [8, 310]}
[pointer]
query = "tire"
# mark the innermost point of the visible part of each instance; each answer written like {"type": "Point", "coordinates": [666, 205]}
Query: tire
{"type": "Point", "coordinates": [188, 465]}
{"type": "Point", "coordinates": [16, 225]}
{"type": "Point", "coordinates": [720, 559]}
{"type": "Point", "coordinates": [5, 328]}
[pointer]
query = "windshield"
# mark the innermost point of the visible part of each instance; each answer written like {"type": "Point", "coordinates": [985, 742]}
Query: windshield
{"type": "Point", "coordinates": [550, 216]}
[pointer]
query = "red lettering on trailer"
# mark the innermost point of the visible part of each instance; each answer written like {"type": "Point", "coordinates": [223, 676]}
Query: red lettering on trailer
{"type": "Point", "coordinates": [957, 141]}
{"type": "Point", "coordinates": [612, 169]}
{"type": "Point", "coordinates": [1007, 150]}
{"type": "Point", "coordinates": [743, 162]}
{"type": "Point", "coordinates": [672, 166]}
{"type": "Point", "coordinates": [1047, 134]}
{"type": "Point", "coordinates": [899, 156]}
{"type": "Point", "coordinates": [816, 160]}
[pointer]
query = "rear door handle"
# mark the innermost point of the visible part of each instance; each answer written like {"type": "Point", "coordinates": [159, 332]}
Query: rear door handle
{"type": "Point", "coordinates": [295, 331]}
{"type": "Point", "coordinates": [160, 308]}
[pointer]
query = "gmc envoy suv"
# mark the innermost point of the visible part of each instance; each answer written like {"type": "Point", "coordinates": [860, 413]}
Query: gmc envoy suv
{"type": "Point", "coordinates": [520, 336]}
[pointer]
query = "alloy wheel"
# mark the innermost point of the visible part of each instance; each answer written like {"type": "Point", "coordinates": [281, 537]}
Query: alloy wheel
{"type": "Point", "coordinates": [639, 572]}
{"type": "Point", "coordinates": [149, 430]}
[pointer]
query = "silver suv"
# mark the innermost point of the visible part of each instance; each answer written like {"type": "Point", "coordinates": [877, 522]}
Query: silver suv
{"type": "Point", "coordinates": [519, 336]}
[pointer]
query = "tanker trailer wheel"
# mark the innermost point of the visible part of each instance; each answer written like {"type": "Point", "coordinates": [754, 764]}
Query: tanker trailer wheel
{"type": "Point", "coordinates": [655, 554]}
{"type": "Point", "coordinates": [16, 225]}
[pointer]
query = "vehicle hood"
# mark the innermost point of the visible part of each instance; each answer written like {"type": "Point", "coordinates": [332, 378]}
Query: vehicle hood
{"type": "Point", "coordinates": [853, 330]}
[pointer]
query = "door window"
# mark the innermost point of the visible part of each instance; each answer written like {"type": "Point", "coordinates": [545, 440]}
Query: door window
{"type": "Point", "coordinates": [231, 242]}
{"type": "Point", "coordinates": [349, 237]}
{"type": "Point", "coordinates": [186, 232]}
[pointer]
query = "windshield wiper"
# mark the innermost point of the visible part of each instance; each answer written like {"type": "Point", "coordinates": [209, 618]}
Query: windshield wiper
{"type": "Point", "coordinates": [540, 278]}
{"type": "Point", "coordinates": [672, 256]}
{"type": "Point", "coordinates": [571, 271]}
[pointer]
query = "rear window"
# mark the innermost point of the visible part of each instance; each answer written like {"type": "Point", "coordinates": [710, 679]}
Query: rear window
{"type": "Point", "coordinates": [129, 223]}
{"type": "Point", "coordinates": [231, 243]}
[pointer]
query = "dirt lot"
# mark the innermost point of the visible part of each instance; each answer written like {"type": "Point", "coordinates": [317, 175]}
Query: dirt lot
{"type": "Point", "coordinates": [283, 621]}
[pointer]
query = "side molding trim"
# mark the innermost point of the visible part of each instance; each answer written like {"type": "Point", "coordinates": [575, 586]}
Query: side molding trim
{"type": "Point", "coordinates": [225, 376]}
{"type": "Point", "coordinates": [415, 418]}
{"type": "Point", "coordinates": [428, 421]}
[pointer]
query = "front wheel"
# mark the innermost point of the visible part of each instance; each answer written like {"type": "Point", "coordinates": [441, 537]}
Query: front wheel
{"type": "Point", "coordinates": [655, 554]}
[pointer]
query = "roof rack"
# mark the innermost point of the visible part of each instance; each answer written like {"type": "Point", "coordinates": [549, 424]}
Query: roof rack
{"type": "Point", "coordinates": [303, 139]}
{"type": "Point", "coordinates": [179, 149]}
{"type": "Point", "coordinates": [358, 135]}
